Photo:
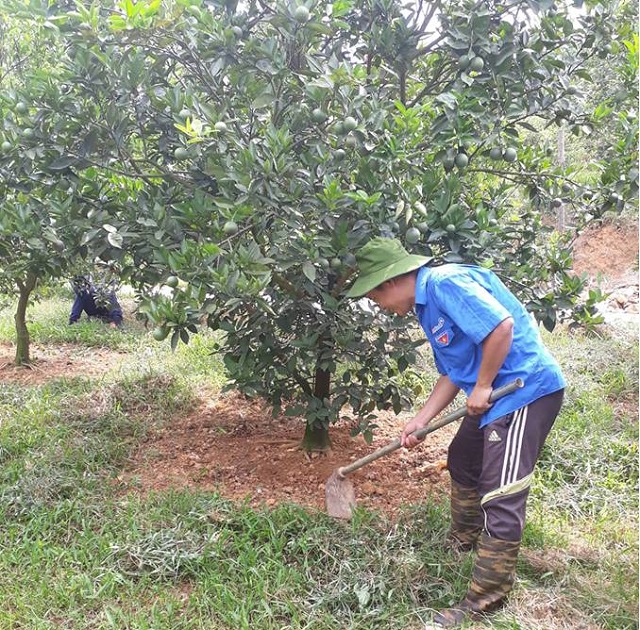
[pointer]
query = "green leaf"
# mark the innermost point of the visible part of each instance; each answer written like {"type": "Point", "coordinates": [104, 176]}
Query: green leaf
{"type": "Point", "coordinates": [265, 99]}
{"type": "Point", "coordinates": [62, 163]}
{"type": "Point", "coordinates": [115, 239]}
{"type": "Point", "coordinates": [309, 270]}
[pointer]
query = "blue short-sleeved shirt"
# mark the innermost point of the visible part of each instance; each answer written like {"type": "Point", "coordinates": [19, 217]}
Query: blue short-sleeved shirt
{"type": "Point", "coordinates": [458, 306]}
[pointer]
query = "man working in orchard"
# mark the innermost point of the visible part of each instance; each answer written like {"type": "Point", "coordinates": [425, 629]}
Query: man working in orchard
{"type": "Point", "coordinates": [482, 337]}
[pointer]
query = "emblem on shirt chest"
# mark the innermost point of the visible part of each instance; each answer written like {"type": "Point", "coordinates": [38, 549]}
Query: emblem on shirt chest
{"type": "Point", "coordinates": [438, 326]}
{"type": "Point", "coordinates": [443, 339]}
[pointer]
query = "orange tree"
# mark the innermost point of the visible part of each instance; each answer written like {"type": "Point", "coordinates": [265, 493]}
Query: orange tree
{"type": "Point", "coordinates": [260, 144]}
{"type": "Point", "coordinates": [43, 216]}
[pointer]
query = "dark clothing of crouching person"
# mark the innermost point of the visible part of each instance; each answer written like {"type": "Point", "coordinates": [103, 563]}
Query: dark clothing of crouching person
{"type": "Point", "coordinates": [95, 301]}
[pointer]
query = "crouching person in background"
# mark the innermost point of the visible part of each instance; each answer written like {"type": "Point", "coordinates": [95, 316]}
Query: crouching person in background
{"type": "Point", "coordinates": [96, 300]}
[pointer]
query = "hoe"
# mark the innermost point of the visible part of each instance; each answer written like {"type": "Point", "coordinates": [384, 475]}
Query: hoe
{"type": "Point", "coordinates": [340, 495]}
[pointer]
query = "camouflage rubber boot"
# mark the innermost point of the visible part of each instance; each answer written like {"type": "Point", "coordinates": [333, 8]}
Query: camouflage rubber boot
{"type": "Point", "coordinates": [466, 518]}
{"type": "Point", "coordinates": [492, 579]}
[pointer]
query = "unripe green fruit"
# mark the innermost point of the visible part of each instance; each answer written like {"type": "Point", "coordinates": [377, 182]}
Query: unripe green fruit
{"type": "Point", "coordinates": [461, 160]}
{"type": "Point", "coordinates": [340, 154]}
{"type": "Point", "coordinates": [450, 228]}
{"type": "Point", "coordinates": [412, 235]}
{"type": "Point", "coordinates": [6, 146]}
{"type": "Point", "coordinates": [172, 281]}
{"type": "Point", "coordinates": [349, 123]}
{"type": "Point", "coordinates": [220, 126]}
{"type": "Point", "coordinates": [323, 262]}
{"type": "Point", "coordinates": [335, 263]}
{"type": "Point", "coordinates": [476, 64]}
{"type": "Point", "coordinates": [58, 246]}
{"type": "Point", "coordinates": [510, 155]}
{"type": "Point", "coordinates": [495, 153]}
{"type": "Point", "coordinates": [318, 116]}
{"type": "Point", "coordinates": [423, 226]}
{"type": "Point", "coordinates": [350, 142]}
{"type": "Point", "coordinates": [338, 128]}
{"type": "Point", "coordinates": [230, 228]}
{"type": "Point", "coordinates": [21, 107]}
{"type": "Point", "coordinates": [160, 333]}
{"type": "Point", "coordinates": [556, 202]}
{"type": "Point", "coordinates": [448, 163]}
{"type": "Point", "coordinates": [566, 188]}
{"type": "Point", "coordinates": [463, 62]}
{"type": "Point", "coordinates": [181, 153]}
{"type": "Point", "coordinates": [237, 32]}
{"type": "Point", "coordinates": [572, 90]}
{"type": "Point", "coordinates": [27, 132]}
{"type": "Point", "coordinates": [301, 14]}
{"type": "Point", "coordinates": [184, 113]}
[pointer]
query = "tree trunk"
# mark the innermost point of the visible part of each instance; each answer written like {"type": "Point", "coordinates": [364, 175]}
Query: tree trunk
{"type": "Point", "coordinates": [22, 332]}
{"type": "Point", "coordinates": [316, 434]}
{"type": "Point", "coordinates": [316, 438]}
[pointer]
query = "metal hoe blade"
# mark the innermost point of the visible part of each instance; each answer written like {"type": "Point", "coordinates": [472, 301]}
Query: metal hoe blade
{"type": "Point", "coordinates": [340, 496]}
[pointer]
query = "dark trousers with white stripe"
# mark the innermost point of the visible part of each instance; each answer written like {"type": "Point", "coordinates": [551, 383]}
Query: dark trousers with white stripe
{"type": "Point", "coordinates": [498, 461]}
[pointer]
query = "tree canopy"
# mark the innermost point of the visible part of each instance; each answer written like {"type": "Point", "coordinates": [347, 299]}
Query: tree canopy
{"type": "Point", "coordinates": [250, 148]}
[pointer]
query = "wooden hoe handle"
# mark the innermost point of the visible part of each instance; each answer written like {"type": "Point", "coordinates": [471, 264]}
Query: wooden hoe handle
{"type": "Point", "coordinates": [499, 392]}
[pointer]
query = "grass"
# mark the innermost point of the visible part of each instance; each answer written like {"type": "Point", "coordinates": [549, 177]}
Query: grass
{"type": "Point", "coordinates": [81, 551]}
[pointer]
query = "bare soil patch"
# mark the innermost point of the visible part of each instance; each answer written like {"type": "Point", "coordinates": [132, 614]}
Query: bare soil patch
{"type": "Point", "coordinates": [234, 446]}
{"type": "Point", "coordinates": [608, 250]}
{"type": "Point", "coordinates": [53, 362]}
